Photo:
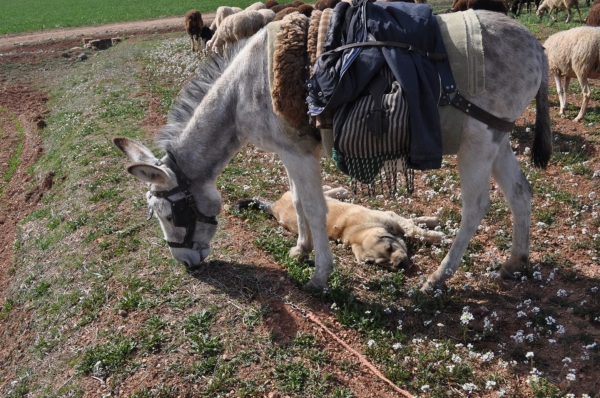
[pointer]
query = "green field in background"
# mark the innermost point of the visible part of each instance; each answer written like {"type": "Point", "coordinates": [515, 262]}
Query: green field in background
{"type": "Point", "coordinates": [18, 16]}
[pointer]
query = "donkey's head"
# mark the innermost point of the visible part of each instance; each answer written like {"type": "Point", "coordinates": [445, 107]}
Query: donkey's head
{"type": "Point", "coordinates": [187, 230]}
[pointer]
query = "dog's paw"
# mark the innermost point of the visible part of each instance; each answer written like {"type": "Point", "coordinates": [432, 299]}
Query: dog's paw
{"type": "Point", "coordinates": [336, 193]}
{"type": "Point", "coordinates": [430, 222]}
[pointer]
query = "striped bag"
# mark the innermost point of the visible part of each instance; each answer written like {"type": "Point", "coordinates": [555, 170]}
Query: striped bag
{"type": "Point", "coordinates": [372, 134]}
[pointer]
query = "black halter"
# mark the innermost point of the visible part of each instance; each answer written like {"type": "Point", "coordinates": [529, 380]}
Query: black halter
{"type": "Point", "coordinates": [184, 211]}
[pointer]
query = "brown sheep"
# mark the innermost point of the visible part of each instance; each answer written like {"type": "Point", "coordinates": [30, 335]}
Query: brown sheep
{"type": "Point", "coordinates": [305, 9]}
{"type": "Point", "coordinates": [323, 4]}
{"type": "Point", "coordinates": [280, 7]}
{"type": "Point", "coordinates": [516, 7]}
{"type": "Point", "coordinates": [557, 5]}
{"type": "Point", "coordinates": [490, 5]}
{"type": "Point", "coordinates": [593, 18]}
{"type": "Point", "coordinates": [193, 27]}
{"type": "Point", "coordinates": [271, 3]}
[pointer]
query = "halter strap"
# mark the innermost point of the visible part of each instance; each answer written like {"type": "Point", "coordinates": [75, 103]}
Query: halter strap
{"type": "Point", "coordinates": [183, 183]}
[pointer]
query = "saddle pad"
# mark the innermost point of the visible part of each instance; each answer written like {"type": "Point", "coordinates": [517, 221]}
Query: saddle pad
{"type": "Point", "coordinates": [301, 136]}
{"type": "Point", "coordinates": [461, 33]}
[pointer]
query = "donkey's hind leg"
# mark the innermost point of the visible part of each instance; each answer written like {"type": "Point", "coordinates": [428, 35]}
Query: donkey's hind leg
{"type": "Point", "coordinates": [475, 168]}
{"type": "Point", "coordinates": [518, 193]}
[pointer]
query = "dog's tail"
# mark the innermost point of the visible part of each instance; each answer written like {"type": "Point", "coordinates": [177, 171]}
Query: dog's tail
{"type": "Point", "coordinates": [253, 204]}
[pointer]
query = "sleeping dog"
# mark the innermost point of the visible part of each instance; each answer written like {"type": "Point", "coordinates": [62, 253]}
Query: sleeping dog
{"type": "Point", "coordinates": [376, 237]}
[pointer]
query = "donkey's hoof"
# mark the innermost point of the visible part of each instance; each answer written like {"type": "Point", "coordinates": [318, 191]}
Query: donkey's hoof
{"type": "Point", "coordinates": [315, 285]}
{"type": "Point", "coordinates": [512, 268]}
{"type": "Point", "coordinates": [431, 286]}
{"type": "Point", "coordinates": [507, 275]}
{"type": "Point", "coordinates": [297, 252]}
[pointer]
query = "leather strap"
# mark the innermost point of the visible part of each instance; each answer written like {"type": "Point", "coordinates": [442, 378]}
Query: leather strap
{"type": "Point", "coordinates": [483, 116]}
{"type": "Point", "coordinates": [431, 56]}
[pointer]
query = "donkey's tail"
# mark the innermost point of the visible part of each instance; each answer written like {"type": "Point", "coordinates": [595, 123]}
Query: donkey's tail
{"type": "Point", "coordinates": [253, 204]}
{"type": "Point", "coordinates": [542, 137]}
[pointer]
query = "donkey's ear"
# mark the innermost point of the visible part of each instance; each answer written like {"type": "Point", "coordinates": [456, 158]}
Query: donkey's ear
{"type": "Point", "coordinates": [148, 173]}
{"type": "Point", "coordinates": [134, 150]}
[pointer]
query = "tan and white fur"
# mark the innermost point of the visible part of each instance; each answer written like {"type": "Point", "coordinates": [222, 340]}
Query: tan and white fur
{"type": "Point", "coordinates": [376, 237]}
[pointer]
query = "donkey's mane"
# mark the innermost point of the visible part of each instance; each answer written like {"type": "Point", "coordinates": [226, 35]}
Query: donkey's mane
{"type": "Point", "coordinates": [191, 95]}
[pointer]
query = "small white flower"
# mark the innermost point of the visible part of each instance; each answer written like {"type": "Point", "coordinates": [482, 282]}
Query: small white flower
{"type": "Point", "coordinates": [470, 387]}
{"type": "Point", "coordinates": [370, 343]}
{"type": "Point", "coordinates": [466, 317]}
{"type": "Point", "coordinates": [571, 377]}
{"type": "Point", "coordinates": [397, 346]}
{"type": "Point", "coordinates": [490, 384]}
{"type": "Point", "coordinates": [425, 387]}
{"type": "Point", "coordinates": [529, 354]}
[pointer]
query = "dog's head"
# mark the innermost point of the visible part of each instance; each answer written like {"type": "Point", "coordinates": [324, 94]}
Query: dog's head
{"type": "Point", "coordinates": [383, 249]}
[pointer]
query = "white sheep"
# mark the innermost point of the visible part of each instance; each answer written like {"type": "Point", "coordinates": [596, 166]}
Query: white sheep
{"type": "Point", "coordinates": [574, 53]}
{"type": "Point", "coordinates": [222, 13]}
{"type": "Point", "coordinates": [267, 14]}
{"type": "Point", "coordinates": [236, 27]}
{"type": "Point", "coordinates": [549, 5]}
{"type": "Point", "coordinates": [255, 7]}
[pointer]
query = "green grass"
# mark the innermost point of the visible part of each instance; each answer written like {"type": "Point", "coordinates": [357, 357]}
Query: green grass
{"type": "Point", "coordinates": [31, 15]}
{"type": "Point", "coordinates": [88, 264]}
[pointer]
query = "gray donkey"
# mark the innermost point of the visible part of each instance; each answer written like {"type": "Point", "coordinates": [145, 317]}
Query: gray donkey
{"type": "Point", "coordinates": [229, 104]}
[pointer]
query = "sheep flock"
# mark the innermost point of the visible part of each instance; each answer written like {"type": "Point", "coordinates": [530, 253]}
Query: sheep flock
{"type": "Point", "coordinates": [573, 53]}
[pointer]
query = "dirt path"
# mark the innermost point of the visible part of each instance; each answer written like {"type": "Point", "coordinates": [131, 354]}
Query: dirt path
{"type": "Point", "coordinates": [104, 30]}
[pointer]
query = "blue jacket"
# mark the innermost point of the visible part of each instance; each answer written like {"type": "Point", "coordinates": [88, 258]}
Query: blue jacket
{"type": "Point", "coordinates": [340, 77]}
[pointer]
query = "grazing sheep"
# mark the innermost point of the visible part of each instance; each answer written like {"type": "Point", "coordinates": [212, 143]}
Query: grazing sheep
{"type": "Point", "coordinates": [558, 5]}
{"type": "Point", "coordinates": [323, 4]}
{"type": "Point", "coordinates": [236, 27]}
{"type": "Point", "coordinates": [574, 53]}
{"type": "Point", "coordinates": [271, 3]}
{"type": "Point", "coordinates": [267, 14]}
{"type": "Point", "coordinates": [205, 35]}
{"type": "Point", "coordinates": [222, 13]}
{"type": "Point", "coordinates": [255, 7]}
{"type": "Point", "coordinates": [305, 9]}
{"type": "Point", "coordinates": [280, 7]}
{"type": "Point", "coordinates": [193, 26]}
{"type": "Point", "coordinates": [490, 5]}
{"type": "Point", "coordinates": [517, 6]}
{"type": "Point", "coordinates": [593, 19]}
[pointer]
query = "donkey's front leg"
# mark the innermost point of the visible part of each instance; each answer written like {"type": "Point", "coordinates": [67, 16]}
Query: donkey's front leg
{"type": "Point", "coordinates": [304, 244]}
{"type": "Point", "coordinates": [305, 176]}
{"type": "Point", "coordinates": [474, 168]}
